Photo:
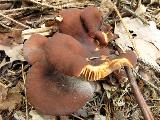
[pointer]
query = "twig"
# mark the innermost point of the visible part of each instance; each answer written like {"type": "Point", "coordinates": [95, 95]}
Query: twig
{"type": "Point", "coordinates": [134, 14]}
{"type": "Point", "coordinates": [14, 21]}
{"type": "Point", "coordinates": [143, 105]}
{"type": "Point", "coordinates": [71, 4]}
{"type": "Point", "coordinates": [9, 0]}
{"type": "Point", "coordinates": [26, 101]}
{"type": "Point", "coordinates": [37, 30]}
{"type": "Point", "coordinates": [141, 101]}
{"type": "Point", "coordinates": [77, 117]}
{"type": "Point", "coordinates": [146, 82]}
{"type": "Point", "coordinates": [9, 28]}
{"type": "Point", "coordinates": [43, 4]}
{"type": "Point", "coordinates": [19, 9]}
{"type": "Point", "coordinates": [43, 31]}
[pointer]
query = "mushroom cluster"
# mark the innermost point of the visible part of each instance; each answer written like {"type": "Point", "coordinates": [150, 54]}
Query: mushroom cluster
{"type": "Point", "coordinates": [65, 65]}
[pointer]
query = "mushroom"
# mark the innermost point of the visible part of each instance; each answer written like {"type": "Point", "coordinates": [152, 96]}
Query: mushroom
{"type": "Point", "coordinates": [84, 25]}
{"type": "Point", "coordinates": [56, 83]}
{"type": "Point", "coordinates": [49, 90]}
{"type": "Point", "coordinates": [54, 93]}
{"type": "Point", "coordinates": [70, 57]}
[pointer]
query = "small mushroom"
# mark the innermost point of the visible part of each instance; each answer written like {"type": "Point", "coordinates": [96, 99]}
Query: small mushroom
{"type": "Point", "coordinates": [92, 20]}
{"type": "Point", "coordinates": [84, 25]}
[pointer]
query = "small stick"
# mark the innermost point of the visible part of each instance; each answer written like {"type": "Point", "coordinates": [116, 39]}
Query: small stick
{"type": "Point", "coordinates": [141, 101]}
{"type": "Point", "coordinates": [134, 14]}
{"type": "Point", "coordinates": [146, 82]}
{"type": "Point", "coordinates": [14, 21]}
{"type": "Point", "coordinates": [26, 101]}
{"type": "Point", "coordinates": [18, 9]}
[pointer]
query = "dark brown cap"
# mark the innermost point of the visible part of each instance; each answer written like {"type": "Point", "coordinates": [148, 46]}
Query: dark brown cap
{"type": "Point", "coordinates": [33, 48]}
{"type": "Point", "coordinates": [54, 93]}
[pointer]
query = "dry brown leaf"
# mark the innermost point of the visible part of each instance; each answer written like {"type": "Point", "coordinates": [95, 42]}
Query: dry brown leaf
{"type": "Point", "coordinates": [3, 93]}
{"type": "Point", "coordinates": [12, 98]}
{"type": "Point", "coordinates": [10, 38]}
{"type": "Point", "coordinates": [11, 102]}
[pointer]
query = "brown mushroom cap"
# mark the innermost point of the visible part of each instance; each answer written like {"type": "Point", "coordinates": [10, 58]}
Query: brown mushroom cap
{"type": "Point", "coordinates": [92, 20]}
{"type": "Point", "coordinates": [66, 54]}
{"type": "Point", "coordinates": [33, 48]}
{"type": "Point", "coordinates": [72, 25]}
{"type": "Point", "coordinates": [54, 93]}
{"type": "Point", "coordinates": [84, 25]}
{"type": "Point", "coordinates": [51, 91]}
{"type": "Point", "coordinates": [70, 57]}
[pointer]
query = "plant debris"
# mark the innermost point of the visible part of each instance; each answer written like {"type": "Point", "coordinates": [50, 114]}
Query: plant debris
{"type": "Point", "coordinates": [114, 98]}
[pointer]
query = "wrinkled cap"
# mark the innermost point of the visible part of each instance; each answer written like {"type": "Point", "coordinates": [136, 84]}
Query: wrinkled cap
{"type": "Point", "coordinates": [84, 25]}
{"type": "Point", "coordinates": [66, 53]}
{"type": "Point", "coordinates": [33, 48]}
{"type": "Point", "coordinates": [54, 93]}
{"type": "Point", "coordinates": [70, 57]}
{"type": "Point", "coordinates": [92, 20]}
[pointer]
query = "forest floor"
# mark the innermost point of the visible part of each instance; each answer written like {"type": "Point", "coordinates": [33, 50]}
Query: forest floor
{"type": "Point", "coordinates": [114, 99]}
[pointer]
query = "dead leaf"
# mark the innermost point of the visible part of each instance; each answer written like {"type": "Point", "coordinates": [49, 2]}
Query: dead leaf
{"type": "Point", "coordinates": [141, 9]}
{"type": "Point", "coordinates": [119, 115]}
{"type": "Point", "coordinates": [37, 116]}
{"type": "Point", "coordinates": [15, 52]}
{"type": "Point", "coordinates": [10, 38]}
{"type": "Point", "coordinates": [136, 115]}
{"type": "Point", "coordinates": [146, 39]}
{"type": "Point", "coordinates": [1, 117]}
{"type": "Point", "coordinates": [12, 98]}
{"type": "Point", "coordinates": [154, 1]}
{"type": "Point", "coordinates": [5, 6]}
{"type": "Point", "coordinates": [11, 102]}
{"type": "Point", "coordinates": [3, 92]}
{"type": "Point", "coordinates": [106, 7]}
{"type": "Point", "coordinates": [99, 117]}
{"type": "Point", "coordinates": [18, 115]}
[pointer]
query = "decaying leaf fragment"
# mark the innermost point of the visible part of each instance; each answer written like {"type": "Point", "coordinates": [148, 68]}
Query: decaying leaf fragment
{"type": "Point", "coordinates": [14, 53]}
{"type": "Point", "coordinates": [11, 99]}
{"type": "Point", "coordinates": [145, 37]}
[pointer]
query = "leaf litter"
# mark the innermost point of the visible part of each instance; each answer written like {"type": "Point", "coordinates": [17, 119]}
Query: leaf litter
{"type": "Point", "coordinates": [113, 100]}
